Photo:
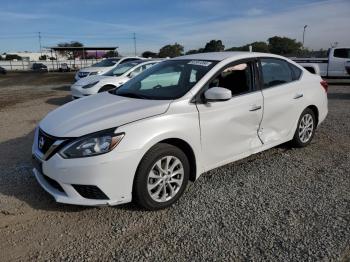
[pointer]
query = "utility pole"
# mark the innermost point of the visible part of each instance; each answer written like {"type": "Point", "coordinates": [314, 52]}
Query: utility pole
{"type": "Point", "coordinates": [134, 43]}
{"type": "Point", "coordinates": [39, 35]}
{"type": "Point", "coordinates": [304, 35]}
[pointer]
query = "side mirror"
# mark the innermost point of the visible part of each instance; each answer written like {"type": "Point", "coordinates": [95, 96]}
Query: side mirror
{"type": "Point", "coordinates": [218, 94]}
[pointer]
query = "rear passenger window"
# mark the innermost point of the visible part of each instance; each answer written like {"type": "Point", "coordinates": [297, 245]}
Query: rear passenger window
{"type": "Point", "coordinates": [342, 53]}
{"type": "Point", "coordinates": [276, 72]}
{"type": "Point", "coordinates": [296, 72]}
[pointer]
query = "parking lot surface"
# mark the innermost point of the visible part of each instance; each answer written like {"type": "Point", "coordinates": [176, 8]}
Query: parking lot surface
{"type": "Point", "coordinates": [281, 204]}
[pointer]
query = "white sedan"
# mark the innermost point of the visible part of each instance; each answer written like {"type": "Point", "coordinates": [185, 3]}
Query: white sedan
{"type": "Point", "coordinates": [114, 78]}
{"type": "Point", "coordinates": [173, 122]}
{"type": "Point", "coordinates": [104, 66]}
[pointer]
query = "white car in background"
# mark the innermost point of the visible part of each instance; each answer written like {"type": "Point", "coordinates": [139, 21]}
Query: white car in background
{"type": "Point", "coordinates": [171, 123]}
{"type": "Point", "coordinates": [336, 65]}
{"type": "Point", "coordinates": [114, 78]}
{"type": "Point", "coordinates": [104, 66]}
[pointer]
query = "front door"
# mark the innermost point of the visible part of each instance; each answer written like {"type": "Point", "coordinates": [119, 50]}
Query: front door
{"type": "Point", "coordinates": [229, 128]}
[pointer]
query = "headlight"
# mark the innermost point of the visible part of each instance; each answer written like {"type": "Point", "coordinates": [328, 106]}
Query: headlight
{"type": "Point", "coordinates": [94, 73]}
{"type": "Point", "coordinates": [90, 85]}
{"type": "Point", "coordinates": [92, 145]}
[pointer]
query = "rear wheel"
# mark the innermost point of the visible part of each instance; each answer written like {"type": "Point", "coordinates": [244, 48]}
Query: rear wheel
{"type": "Point", "coordinates": [161, 177]}
{"type": "Point", "coordinates": [305, 129]}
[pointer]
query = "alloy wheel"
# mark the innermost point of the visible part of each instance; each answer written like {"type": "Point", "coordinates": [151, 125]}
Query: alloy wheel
{"type": "Point", "coordinates": [306, 128]}
{"type": "Point", "coordinates": [165, 178]}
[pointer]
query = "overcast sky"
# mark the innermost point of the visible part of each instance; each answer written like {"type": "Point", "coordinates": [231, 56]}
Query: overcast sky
{"type": "Point", "coordinates": [160, 22]}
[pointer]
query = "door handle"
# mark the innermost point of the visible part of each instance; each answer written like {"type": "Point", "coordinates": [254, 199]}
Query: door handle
{"type": "Point", "coordinates": [297, 96]}
{"type": "Point", "coordinates": [255, 108]}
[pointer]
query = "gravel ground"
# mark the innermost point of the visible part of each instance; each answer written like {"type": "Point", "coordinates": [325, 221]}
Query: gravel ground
{"type": "Point", "coordinates": [282, 204]}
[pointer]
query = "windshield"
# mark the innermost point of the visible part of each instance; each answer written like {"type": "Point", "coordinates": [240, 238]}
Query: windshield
{"type": "Point", "coordinates": [122, 68]}
{"type": "Point", "coordinates": [167, 80]}
{"type": "Point", "coordinates": [106, 62]}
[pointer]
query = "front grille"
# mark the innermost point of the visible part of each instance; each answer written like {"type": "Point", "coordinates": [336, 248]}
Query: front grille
{"type": "Point", "coordinates": [45, 141]}
{"type": "Point", "coordinates": [53, 183]}
{"type": "Point", "coordinates": [83, 74]}
{"type": "Point", "coordinates": [91, 192]}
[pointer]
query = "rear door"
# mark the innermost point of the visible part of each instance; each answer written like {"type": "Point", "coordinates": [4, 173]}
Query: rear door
{"type": "Point", "coordinates": [229, 128]}
{"type": "Point", "coordinates": [283, 98]}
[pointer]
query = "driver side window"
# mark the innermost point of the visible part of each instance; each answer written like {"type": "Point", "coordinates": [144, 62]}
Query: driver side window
{"type": "Point", "coordinates": [237, 78]}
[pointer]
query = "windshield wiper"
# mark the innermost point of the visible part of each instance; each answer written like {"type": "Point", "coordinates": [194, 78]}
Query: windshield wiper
{"type": "Point", "coordinates": [133, 95]}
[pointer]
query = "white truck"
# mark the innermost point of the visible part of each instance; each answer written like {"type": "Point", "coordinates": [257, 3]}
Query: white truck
{"type": "Point", "coordinates": [336, 65]}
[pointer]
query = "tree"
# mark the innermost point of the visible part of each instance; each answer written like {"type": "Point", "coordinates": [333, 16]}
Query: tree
{"type": "Point", "coordinates": [111, 53]}
{"type": "Point", "coordinates": [284, 45]}
{"type": "Point", "coordinates": [256, 46]}
{"type": "Point", "coordinates": [171, 50]}
{"type": "Point", "coordinates": [148, 54]}
{"type": "Point", "coordinates": [259, 47]}
{"type": "Point", "coordinates": [72, 54]}
{"type": "Point", "coordinates": [214, 46]}
{"type": "Point", "coordinates": [192, 51]}
{"type": "Point", "coordinates": [43, 57]}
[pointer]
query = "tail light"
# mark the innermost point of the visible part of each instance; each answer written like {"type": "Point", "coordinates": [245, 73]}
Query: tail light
{"type": "Point", "coordinates": [324, 84]}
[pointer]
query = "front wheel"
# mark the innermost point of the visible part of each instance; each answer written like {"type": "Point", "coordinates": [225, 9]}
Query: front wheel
{"type": "Point", "coordinates": [161, 177]}
{"type": "Point", "coordinates": [306, 129]}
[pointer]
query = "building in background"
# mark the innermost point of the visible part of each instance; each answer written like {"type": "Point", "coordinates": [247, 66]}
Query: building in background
{"type": "Point", "coordinates": [33, 56]}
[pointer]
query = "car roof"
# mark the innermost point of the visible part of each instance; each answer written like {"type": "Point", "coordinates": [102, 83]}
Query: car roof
{"type": "Point", "coordinates": [219, 56]}
{"type": "Point", "coordinates": [145, 61]}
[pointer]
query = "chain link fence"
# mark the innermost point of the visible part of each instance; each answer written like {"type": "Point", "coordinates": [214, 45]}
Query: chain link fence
{"type": "Point", "coordinates": [52, 65]}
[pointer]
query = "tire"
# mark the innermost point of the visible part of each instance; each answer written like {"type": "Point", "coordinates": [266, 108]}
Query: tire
{"type": "Point", "coordinates": [163, 183]}
{"type": "Point", "coordinates": [307, 119]}
{"type": "Point", "coordinates": [106, 88]}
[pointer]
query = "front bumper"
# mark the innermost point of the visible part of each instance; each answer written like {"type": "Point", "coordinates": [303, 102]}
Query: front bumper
{"type": "Point", "coordinates": [112, 173]}
{"type": "Point", "coordinates": [80, 75]}
{"type": "Point", "coordinates": [79, 91]}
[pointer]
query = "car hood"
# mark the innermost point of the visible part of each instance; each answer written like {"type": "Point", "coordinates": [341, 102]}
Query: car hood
{"type": "Point", "coordinates": [99, 112]}
{"type": "Point", "coordinates": [90, 79]}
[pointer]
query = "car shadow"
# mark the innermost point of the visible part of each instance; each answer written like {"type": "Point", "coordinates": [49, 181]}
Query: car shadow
{"type": "Point", "coordinates": [58, 101]}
